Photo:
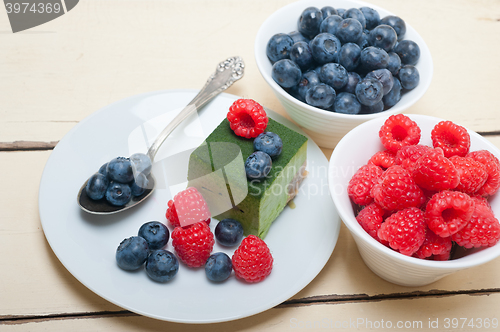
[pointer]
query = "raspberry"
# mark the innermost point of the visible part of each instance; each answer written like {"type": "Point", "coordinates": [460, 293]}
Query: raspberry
{"type": "Point", "coordinates": [398, 131]}
{"type": "Point", "coordinates": [361, 183]}
{"type": "Point", "coordinates": [171, 214]}
{"type": "Point", "coordinates": [247, 118]}
{"type": "Point", "coordinates": [371, 218]}
{"type": "Point", "coordinates": [433, 171]}
{"type": "Point", "coordinates": [190, 207]}
{"type": "Point", "coordinates": [396, 190]}
{"type": "Point", "coordinates": [483, 229]}
{"type": "Point", "coordinates": [383, 159]}
{"type": "Point", "coordinates": [404, 230]}
{"type": "Point", "coordinates": [193, 244]}
{"type": "Point", "coordinates": [447, 212]}
{"type": "Point", "coordinates": [492, 165]}
{"type": "Point", "coordinates": [252, 261]}
{"type": "Point", "coordinates": [452, 138]}
{"type": "Point", "coordinates": [434, 245]}
{"type": "Point", "coordinates": [407, 156]}
{"type": "Point", "coordinates": [472, 174]}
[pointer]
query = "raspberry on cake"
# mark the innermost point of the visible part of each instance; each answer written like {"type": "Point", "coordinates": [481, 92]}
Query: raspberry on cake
{"type": "Point", "coordinates": [247, 118]}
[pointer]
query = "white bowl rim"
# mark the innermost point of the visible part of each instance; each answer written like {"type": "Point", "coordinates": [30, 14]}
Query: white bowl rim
{"type": "Point", "coordinates": [480, 257]}
{"type": "Point", "coordinates": [260, 57]}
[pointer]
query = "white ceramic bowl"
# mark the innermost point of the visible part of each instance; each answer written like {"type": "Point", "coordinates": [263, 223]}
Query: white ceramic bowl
{"type": "Point", "coordinates": [352, 152]}
{"type": "Point", "coordinates": [327, 128]}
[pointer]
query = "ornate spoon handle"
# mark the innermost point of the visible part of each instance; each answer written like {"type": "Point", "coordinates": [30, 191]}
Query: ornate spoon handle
{"type": "Point", "coordinates": [227, 72]}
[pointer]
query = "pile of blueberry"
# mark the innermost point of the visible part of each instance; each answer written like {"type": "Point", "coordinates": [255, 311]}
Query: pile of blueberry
{"type": "Point", "coordinates": [120, 179]}
{"type": "Point", "coordinates": [162, 265]}
{"type": "Point", "coordinates": [267, 146]}
{"type": "Point", "coordinates": [346, 61]}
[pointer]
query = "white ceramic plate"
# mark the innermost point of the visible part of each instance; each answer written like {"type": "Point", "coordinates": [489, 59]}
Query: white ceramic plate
{"type": "Point", "coordinates": [301, 239]}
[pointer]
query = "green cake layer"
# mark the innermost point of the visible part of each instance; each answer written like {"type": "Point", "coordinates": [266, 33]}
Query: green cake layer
{"type": "Point", "coordinates": [216, 169]}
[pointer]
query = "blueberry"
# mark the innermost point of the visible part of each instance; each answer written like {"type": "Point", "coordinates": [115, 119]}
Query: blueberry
{"type": "Point", "coordinates": [269, 143]}
{"type": "Point", "coordinates": [330, 24]}
{"type": "Point", "coordinates": [349, 30]}
{"type": "Point", "coordinates": [118, 194]}
{"type": "Point", "coordinates": [297, 36]}
{"type": "Point", "coordinates": [369, 91]}
{"type": "Point", "coordinates": [384, 37]}
{"type": "Point", "coordinates": [364, 40]}
{"type": "Point", "coordinates": [102, 169]}
{"type": "Point", "coordinates": [120, 170]}
{"type": "Point", "coordinates": [384, 76]}
{"type": "Point", "coordinates": [301, 54]}
{"type": "Point", "coordinates": [132, 253]}
{"type": "Point", "coordinates": [377, 108]}
{"type": "Point", "coordinates": [309, 22]}
{"type": "Point", "coordinates": [346, 103]}
{"type": "Point", "coordinates": [334, 75]}
{"type": "Point", "coordinates": [278, 47]}
{"type": "Point", "coordinates": [396, 23]}
{"type": "Point", "coordinates": [162, 265]}
{"type": "Point", "coordinates": [141, 164]}
{"type": "Point", "coordinates": [286, 73]}
{"type": "Point", "coordinates": [409, 77]}
{"type": "Point", "coordinates": [349, 56]}
{"type": "Point", "coordinates": [229, 232]}
{"type": "Point", "coordinates": [139, 185]}
{"type": "Point", "coordinates": [373, 58]}
{"type": "Point", "coordinates": [408, 51]}
{"type": "Point", "coordinates": [372, 17]}
{"type": "Point", "coordinates": [321, 95]}
{"type": "Point", "coordinates": [394, 96]}
{"type": "Point", "coordinates": [96, 186]}
{"type": "Point", "coordinates": [340, 12]}
{"type": "Point", "coordinates": [294, 92]}
{"type": "Point", "coordinates": [218, 267]}
{"type": "Point", "coordinates": [327, 11]}
{"type": "Point", "coordinates": [353, 79]}
{"type": "Point", "coordinates": [357, 15]}
{"type": "Point", "coordinates": [155, 233]}
{"type": "Point", "coordinates": [308, 80]}
{"type": "Point", "coordinates": [394, 63]}
{"type": "Point", "coordinates": [258, 165]}
{"type": "Point", "coordinates": [325, 48]}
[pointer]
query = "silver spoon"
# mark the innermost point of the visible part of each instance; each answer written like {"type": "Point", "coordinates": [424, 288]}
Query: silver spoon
{"type": "Point", "coordinates": [226, 73]}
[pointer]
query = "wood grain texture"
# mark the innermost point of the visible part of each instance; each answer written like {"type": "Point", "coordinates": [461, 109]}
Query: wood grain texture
{"type": "Point", "coordinates": [416, 313]}
{"type": "Point", "coordinates": [56, 74]}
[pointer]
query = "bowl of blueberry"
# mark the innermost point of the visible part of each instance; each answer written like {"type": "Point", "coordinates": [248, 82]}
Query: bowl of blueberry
{"type": "Point", "coordinates": [336, 64]}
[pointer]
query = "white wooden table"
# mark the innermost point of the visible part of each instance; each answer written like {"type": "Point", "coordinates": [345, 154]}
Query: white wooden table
{"type": "Point", "coordinates": [55, 75]}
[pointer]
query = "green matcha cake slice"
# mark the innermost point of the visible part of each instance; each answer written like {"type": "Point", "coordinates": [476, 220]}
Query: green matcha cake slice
{"type": "Point", "coordinates": [216, 169]}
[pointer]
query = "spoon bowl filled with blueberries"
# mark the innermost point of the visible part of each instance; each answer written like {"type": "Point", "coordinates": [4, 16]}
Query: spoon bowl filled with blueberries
{"type": "Point", "coordinates": [124, 182]}
{"type": "Point", "coordinates": [336, 64]}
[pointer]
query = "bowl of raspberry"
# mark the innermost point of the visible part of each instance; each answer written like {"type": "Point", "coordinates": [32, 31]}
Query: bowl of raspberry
{"type": "Point", "coordinates": [336, 64]}
{"type": "Point", "coordinates": [419, 195]}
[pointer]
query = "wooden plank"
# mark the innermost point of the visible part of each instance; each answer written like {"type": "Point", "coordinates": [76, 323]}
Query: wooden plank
{"type": "Point", "coordinates": [56, 74]}
{"type": "Point", "coordinates": [417, 314]}
{"type": "Point", "coordinates": [56, 291]}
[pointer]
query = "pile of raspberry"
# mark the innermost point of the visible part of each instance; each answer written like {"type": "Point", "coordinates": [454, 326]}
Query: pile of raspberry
{"type": "Point", "coordinates": [193, 240]}
{"type": "Point", "coordinates": [421, 201]}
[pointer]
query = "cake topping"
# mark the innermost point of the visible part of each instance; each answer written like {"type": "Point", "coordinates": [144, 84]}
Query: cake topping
{"type": "Point", "coordinates": [247, 118]}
